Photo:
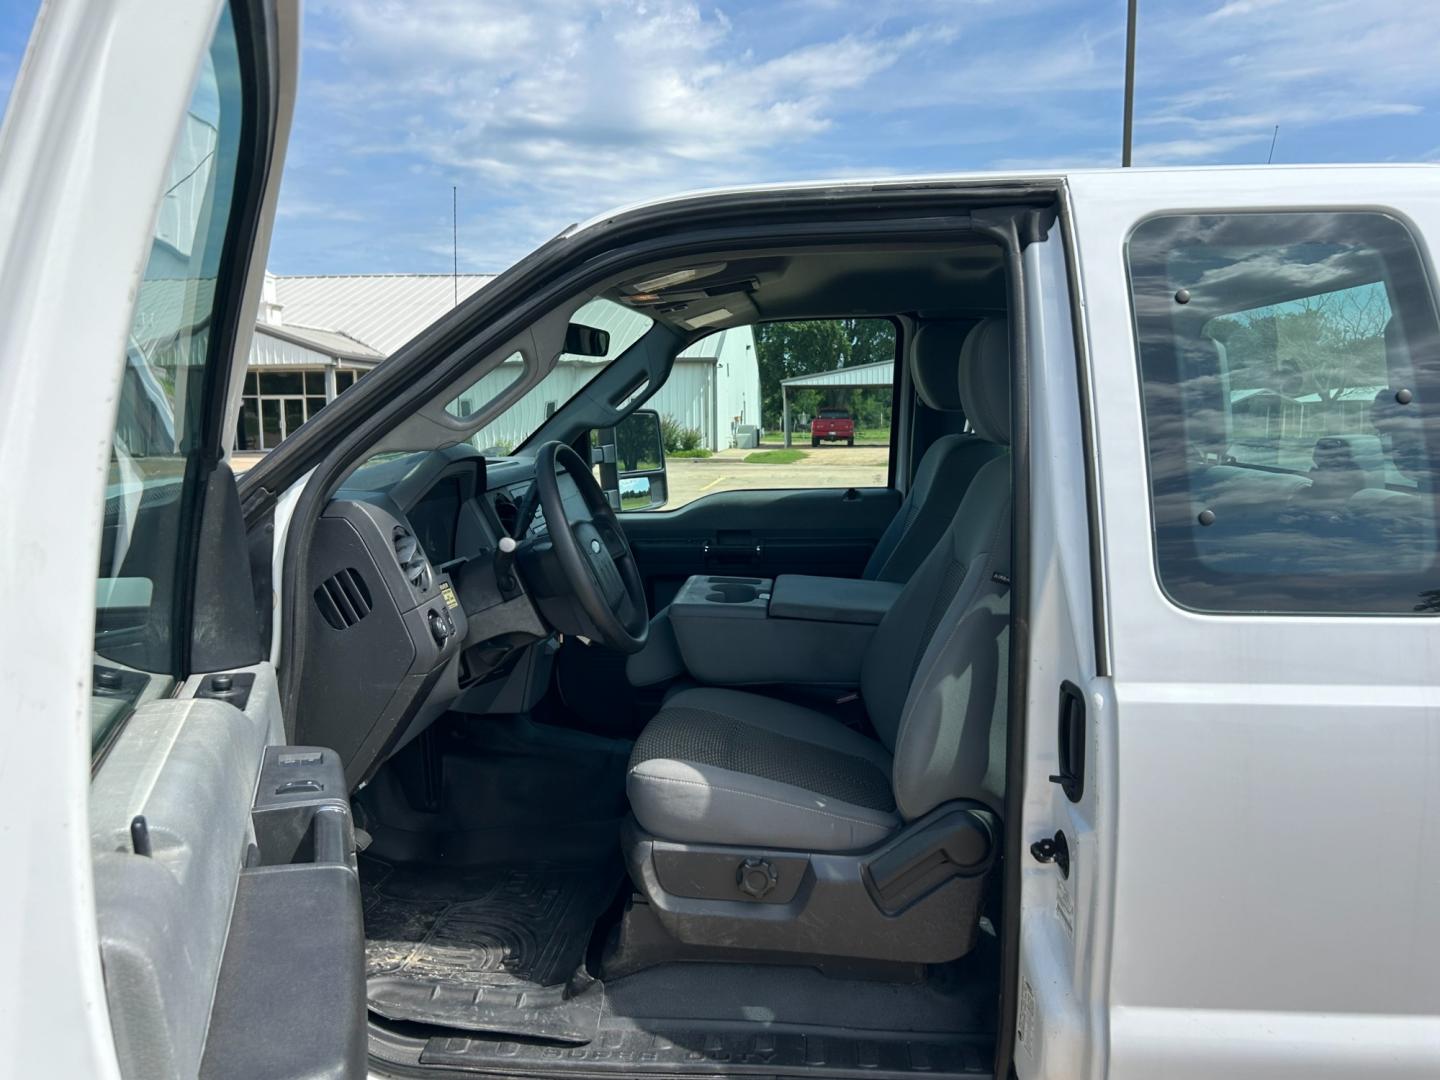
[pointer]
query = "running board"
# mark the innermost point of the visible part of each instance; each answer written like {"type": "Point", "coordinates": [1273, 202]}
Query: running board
{"type": "Point", "coordinates": [683, 1051]}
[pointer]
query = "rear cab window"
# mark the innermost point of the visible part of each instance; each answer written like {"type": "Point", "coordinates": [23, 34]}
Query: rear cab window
{"type": "Point", "coordinates": [1290, 366]}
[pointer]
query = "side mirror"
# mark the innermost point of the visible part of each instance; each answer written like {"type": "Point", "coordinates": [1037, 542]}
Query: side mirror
{"type": "Point", "coordinates": [581, 340]}
{"type": "Point", "coordinates": [631, 459]}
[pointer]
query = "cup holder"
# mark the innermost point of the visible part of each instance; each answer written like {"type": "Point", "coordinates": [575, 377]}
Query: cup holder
{"type": "Point", "coordinates": [732, 592]}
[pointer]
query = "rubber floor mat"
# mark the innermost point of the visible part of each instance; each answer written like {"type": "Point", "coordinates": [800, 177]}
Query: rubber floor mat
{"type": "Point", "coordinates": [490, 948]}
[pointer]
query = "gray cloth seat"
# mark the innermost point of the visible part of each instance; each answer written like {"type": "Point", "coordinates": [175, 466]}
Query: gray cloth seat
{"type": "Point", "coordinates": [728, 767]}
{"type": "Point", "coordinates": [949, 464]}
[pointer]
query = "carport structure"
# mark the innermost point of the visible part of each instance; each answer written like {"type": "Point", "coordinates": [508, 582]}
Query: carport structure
{"type": "Point", "coordinates": [880, 375]}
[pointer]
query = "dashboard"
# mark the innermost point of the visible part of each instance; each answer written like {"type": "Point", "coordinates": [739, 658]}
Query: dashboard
{"type": "Point", "coordinates": [415, 611]}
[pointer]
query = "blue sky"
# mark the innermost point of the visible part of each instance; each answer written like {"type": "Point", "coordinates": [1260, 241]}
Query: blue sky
{"type": "Point", "coordinates": [544, 112]}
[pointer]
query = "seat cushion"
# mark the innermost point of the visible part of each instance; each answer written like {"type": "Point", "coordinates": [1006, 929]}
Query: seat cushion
{"type": "Point", "coordinates": [727, 767]}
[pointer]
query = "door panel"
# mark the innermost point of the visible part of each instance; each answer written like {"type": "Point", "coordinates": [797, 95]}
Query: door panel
{"type": "Point", "coordinates": [823, 532]}
{"type": "Point", "coordinates": [1060, 1020]}
{"type": "Point", "coordinates": [1293, 930]}
{"type": "Point", "coordinates": [259, 974]}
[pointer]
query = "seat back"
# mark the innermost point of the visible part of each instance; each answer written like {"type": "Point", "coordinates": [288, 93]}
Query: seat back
{"type": "Point", "coordinates": [947, 467]}
{"type": "Point", "coordinates": [935, 677]}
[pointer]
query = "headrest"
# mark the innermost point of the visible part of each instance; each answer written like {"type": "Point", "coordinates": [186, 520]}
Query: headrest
{"type": "Point", "coordinates": [935, 364]}
{"type": "Point", "coordinates": [985, 380]}
{"type": "Point", "coordinates": [1348, 463]}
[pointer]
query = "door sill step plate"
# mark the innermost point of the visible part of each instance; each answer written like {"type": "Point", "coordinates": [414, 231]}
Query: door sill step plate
{"type": "Point", "coordinates": [700, 1052]}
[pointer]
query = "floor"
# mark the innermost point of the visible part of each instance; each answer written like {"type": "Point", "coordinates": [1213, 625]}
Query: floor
{"type": "Point", "coordinates": [487, 913]}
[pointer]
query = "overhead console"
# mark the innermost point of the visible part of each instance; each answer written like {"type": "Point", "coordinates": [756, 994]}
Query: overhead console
{"type": "Point", "coordinates": [795, 630]}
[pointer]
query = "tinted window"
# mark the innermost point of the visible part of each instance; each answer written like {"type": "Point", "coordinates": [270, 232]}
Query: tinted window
{"type": "Point", "coordinates": [158, 442]}
{"type": "Point", "coordinates": [1291, 374]}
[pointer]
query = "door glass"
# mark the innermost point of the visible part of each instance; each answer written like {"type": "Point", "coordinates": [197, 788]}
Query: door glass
{"type": "Point", "coordinates": [294, 414]}
{"type": "Point", "coordinates": [158, 447]}
{"type": "Point", "coordinates": [729, 398]}
{"type": "Point", "coordinates": [249, 424]}
{"type": "Point", "coordinates": [1291, 373]}
{"type": "Point", "coordinates": [270, 431]}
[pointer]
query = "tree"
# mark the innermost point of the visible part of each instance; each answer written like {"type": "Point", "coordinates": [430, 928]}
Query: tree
{"type": "Point", "coordinates": [1322, 345]}
{"type": "Point", "coordinates": [784, 350]}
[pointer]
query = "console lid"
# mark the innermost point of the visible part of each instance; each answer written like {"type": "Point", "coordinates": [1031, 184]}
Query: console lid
{"type": "Point", "coordinates": [827, 599]}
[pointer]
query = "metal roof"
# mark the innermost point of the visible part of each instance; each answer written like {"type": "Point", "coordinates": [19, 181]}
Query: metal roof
{"type": "Point", "coordinates": [383, 311]}
{"type": "Point", "coordinates": [331, 342]}
{"type": "Point", "coordinates": [859, 377]}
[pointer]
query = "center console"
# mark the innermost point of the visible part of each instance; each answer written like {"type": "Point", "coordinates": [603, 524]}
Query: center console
{"type": "Point", "coordinates": [794, 629]}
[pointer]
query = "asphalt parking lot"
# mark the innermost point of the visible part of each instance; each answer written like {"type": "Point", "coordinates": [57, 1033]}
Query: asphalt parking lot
{"type": "Point", "coordinates": [822, 467]}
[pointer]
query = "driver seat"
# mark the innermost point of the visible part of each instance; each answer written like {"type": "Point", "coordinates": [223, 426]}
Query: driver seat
{"type": "Point", "coordinates": [725, 780]}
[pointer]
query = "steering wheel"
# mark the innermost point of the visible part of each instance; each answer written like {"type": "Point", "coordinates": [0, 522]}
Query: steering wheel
{"type": "Point", "coordinates": [591, 550]}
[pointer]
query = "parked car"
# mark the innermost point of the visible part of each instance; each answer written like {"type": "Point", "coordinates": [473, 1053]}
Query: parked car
{"type": "Point", "coordinates": [1080, 748]}
{"type": "Point", "coordinates": [832, 425]}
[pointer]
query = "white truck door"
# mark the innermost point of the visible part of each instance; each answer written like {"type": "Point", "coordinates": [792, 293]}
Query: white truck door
{"type": "Point", "coordinates": [1059, 1030]}
{"type": "Point", "coordinates": [139, 164]}
{"type": "Point", "coordinates": [1265, 376]}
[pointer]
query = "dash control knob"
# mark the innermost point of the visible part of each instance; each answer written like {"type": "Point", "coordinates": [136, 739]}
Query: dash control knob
{"type": "Point", "coordinates": [441, 627]}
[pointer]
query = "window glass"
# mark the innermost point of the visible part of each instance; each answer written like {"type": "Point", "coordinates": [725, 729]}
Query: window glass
{"type": "Point", "coordinates": [521, 419]}
{"type": "Point", "coordinates": [159, 416]}
{"type": "Point", "coordinates": [725, 408]}
{"type": "Point", "coordinates": [1291, 373]}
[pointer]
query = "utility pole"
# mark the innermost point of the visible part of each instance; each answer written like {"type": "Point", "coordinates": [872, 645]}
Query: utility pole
{"type": "Point", "coordinates": [455, 241]}
{"type": "Point", "coordinates": [1129, 85]}
{"type": "Point", "coordinates": [1273, 137]}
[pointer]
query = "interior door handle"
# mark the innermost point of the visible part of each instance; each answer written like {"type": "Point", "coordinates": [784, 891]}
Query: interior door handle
{"type": "Point", "coordinates": [1070, 742]}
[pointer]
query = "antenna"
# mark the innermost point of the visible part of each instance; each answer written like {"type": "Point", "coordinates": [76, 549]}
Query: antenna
{"type": "Point", "coordinates": [1273, 137]}
{"type": "Point", "coordinates": [1129, 86]}
{"type": "Point", "coordinates": [455, 241]}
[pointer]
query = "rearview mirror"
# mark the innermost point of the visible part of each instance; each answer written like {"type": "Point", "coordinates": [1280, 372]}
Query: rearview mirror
{"type": "Point", "coordinates": [581, 340]}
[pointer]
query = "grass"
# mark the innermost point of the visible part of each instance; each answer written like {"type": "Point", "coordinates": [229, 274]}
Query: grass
{"type": "Point", "coordinates": [698, 452]}
{"type": "Point", "coordinates": [776, 457]}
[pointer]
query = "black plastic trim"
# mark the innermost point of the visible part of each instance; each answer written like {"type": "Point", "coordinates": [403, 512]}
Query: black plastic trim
{"type": "Point", "coordinates": [204, 507]}
{"type": "Point", "coordinates": [1099, 600]}
{"type": "Point", "coordinates": [1021, 571]}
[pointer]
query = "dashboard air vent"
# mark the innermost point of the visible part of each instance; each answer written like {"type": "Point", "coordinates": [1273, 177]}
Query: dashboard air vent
{"type": "Point", "coordinates": [343, 599]}
{"type": "Point", "coordinates": [411, 558]}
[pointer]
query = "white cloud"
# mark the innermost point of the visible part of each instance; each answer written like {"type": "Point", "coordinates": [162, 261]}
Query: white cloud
{"type": "Point", "coordinates": [571, 99]}
{"type": "Point", "coordinates": [1248, 65]}
{"type": "Point", "coordinates": [547, 111]}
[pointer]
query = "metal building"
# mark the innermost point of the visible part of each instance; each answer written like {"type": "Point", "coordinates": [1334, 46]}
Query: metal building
{"type": "Point", "coordinates": [877, 376]}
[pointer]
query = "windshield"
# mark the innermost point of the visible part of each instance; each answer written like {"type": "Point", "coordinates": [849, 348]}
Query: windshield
{"type": "Point", "coordinates": [570, 374]}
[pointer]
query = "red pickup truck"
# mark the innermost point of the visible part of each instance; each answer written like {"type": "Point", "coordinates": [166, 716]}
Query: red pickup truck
{"type": "Point", "coordinates": [832, 425]}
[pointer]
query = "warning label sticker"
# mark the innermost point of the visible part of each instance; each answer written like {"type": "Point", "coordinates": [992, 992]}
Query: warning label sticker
{"type": "Point", "coordinates": [1065, 905]}
{"type": "Point", "coordinates": [1025, 1017]}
